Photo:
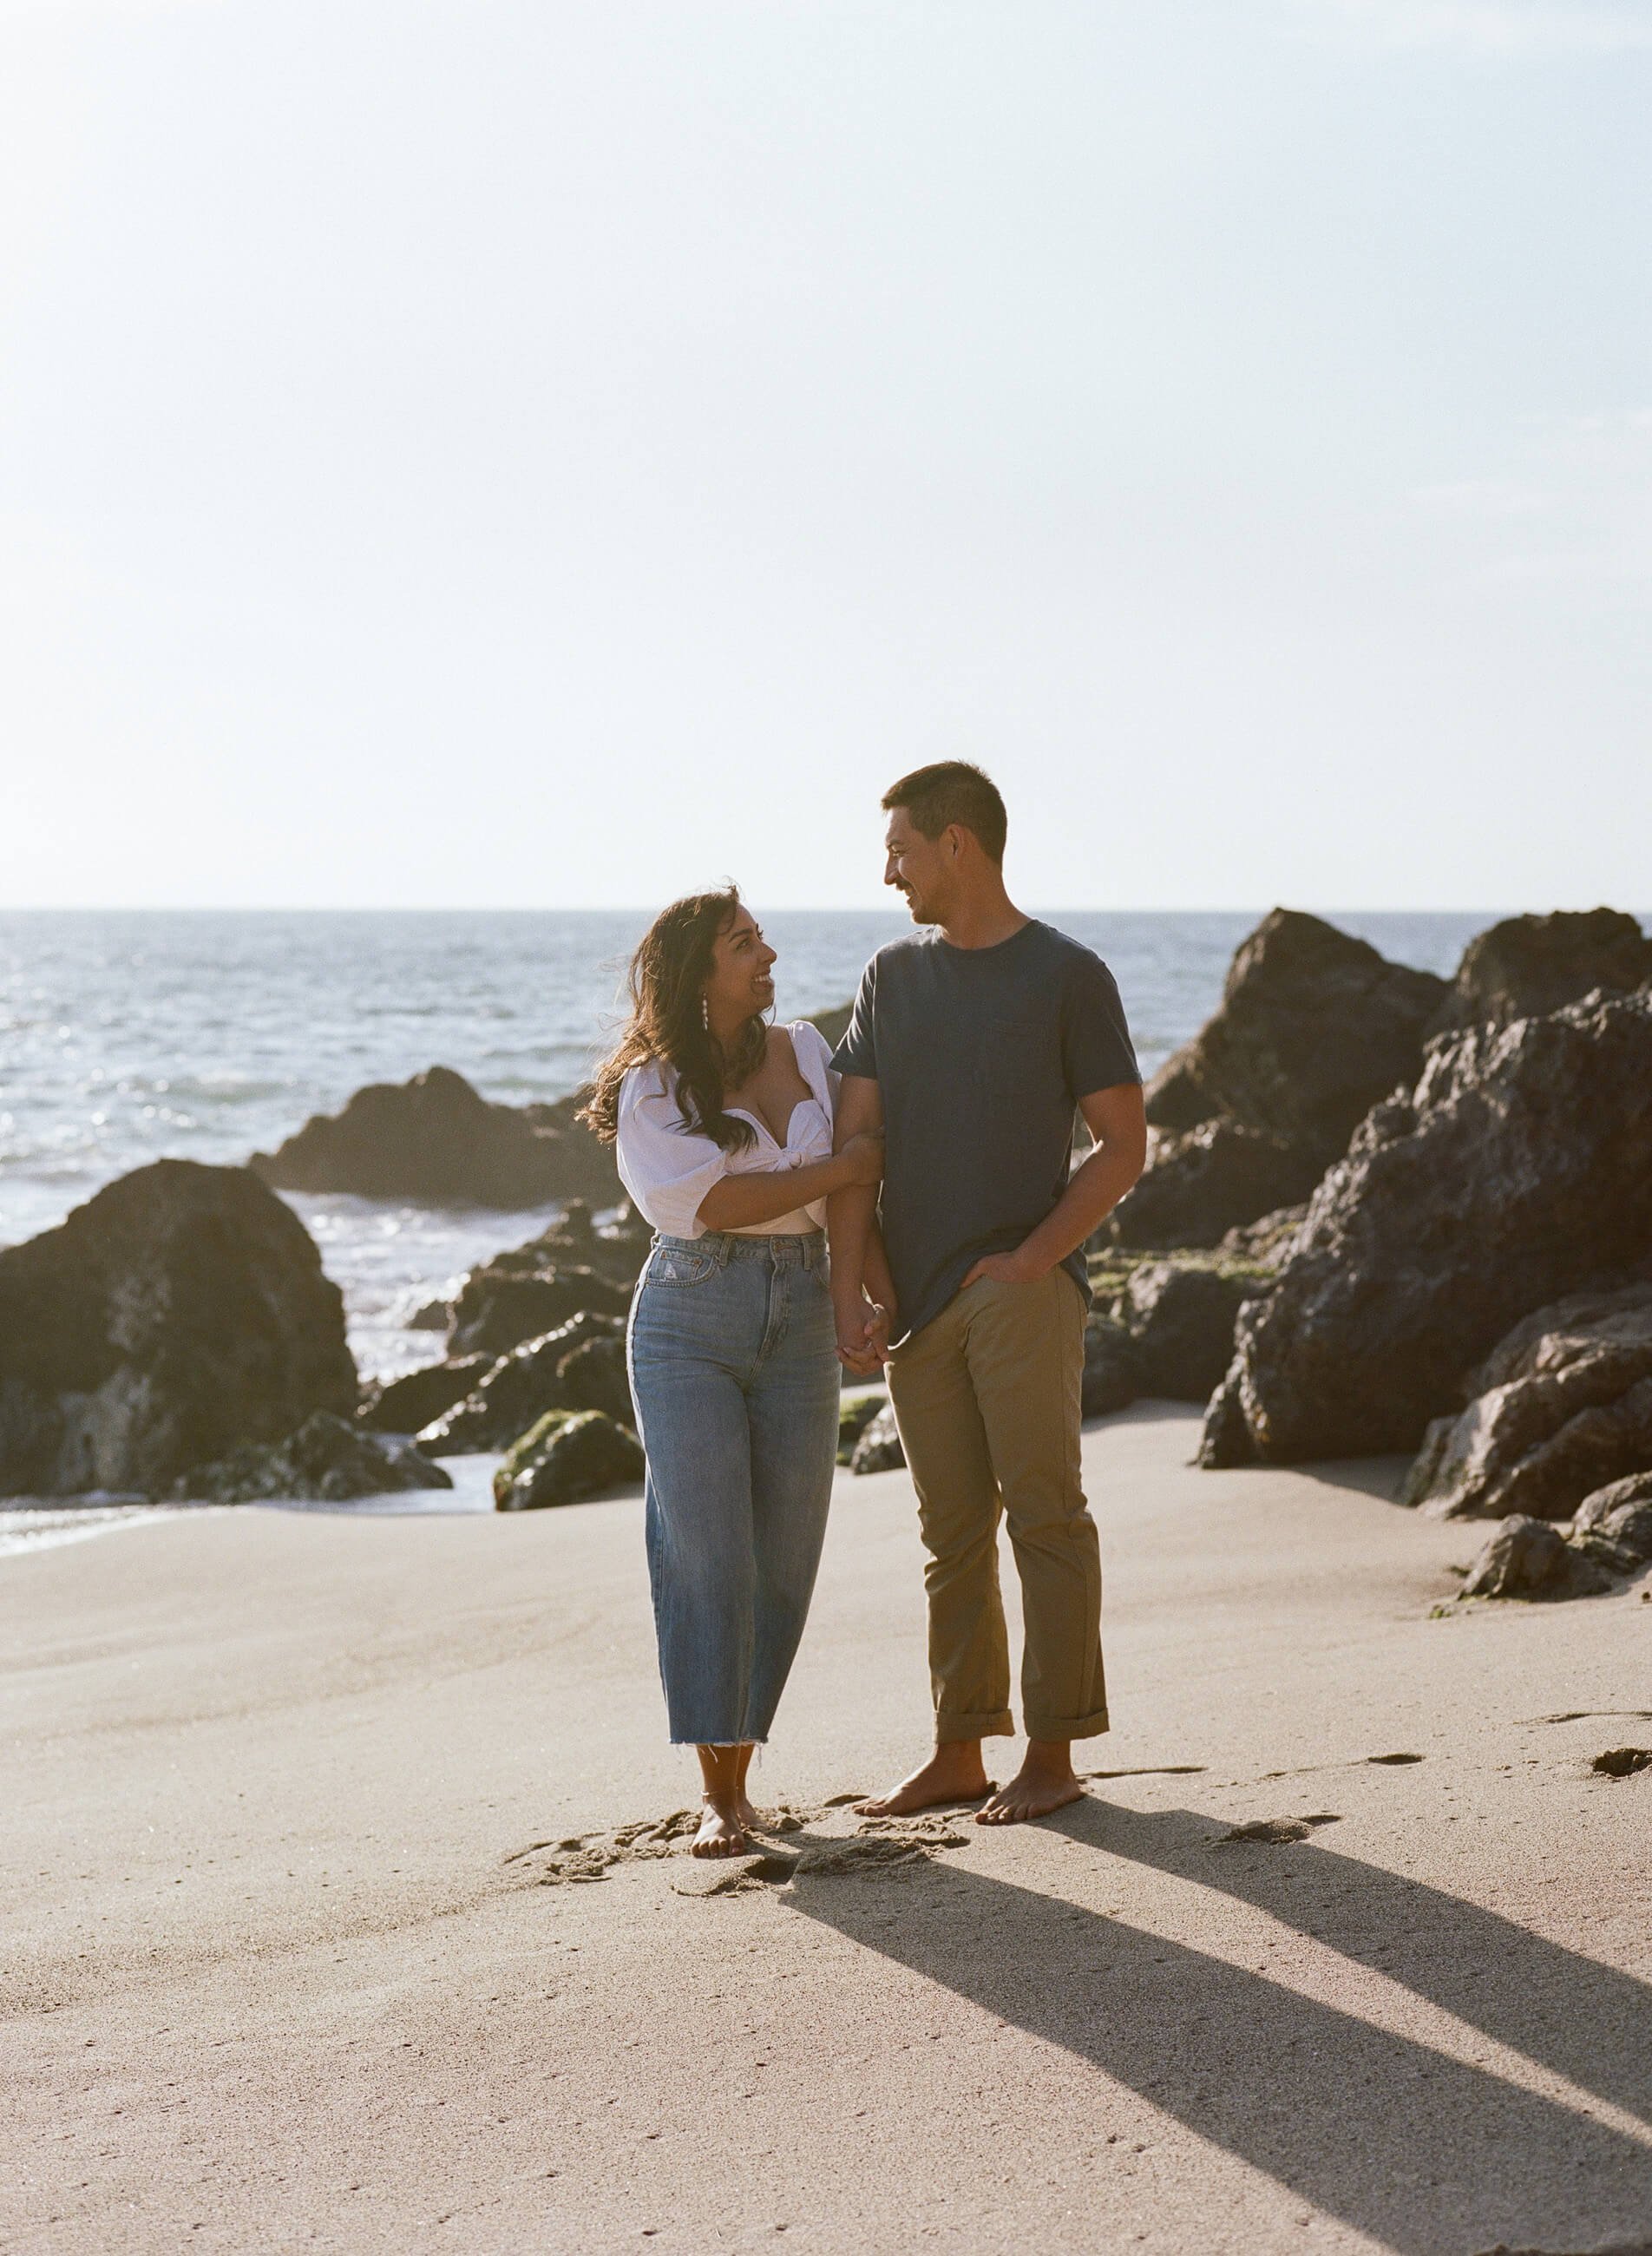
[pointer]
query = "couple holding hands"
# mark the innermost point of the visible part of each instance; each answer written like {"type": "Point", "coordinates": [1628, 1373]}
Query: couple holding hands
{"type": "Point", "coordinates": [932, 1152]}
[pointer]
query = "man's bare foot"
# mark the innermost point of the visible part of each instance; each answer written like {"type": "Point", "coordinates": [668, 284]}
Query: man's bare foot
{"type": "Point", "coordinates": [1045, 1782]}
{"type": "Point", "coordinates": [954, 1773]}
{"type": "Point", "coordinates": [722, 1831]}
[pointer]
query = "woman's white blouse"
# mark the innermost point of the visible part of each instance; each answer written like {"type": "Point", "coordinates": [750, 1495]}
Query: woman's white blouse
{"type": "Point", "coordinates": [668, 1169]}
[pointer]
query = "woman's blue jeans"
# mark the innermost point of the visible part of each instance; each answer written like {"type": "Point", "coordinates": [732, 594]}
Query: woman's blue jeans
{"type": "Point", "coordinates": [734, 1373]}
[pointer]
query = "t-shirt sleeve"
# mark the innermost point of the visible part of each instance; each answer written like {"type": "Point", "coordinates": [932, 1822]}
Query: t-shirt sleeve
{"type": "Point", "coordinates": [858, 1052]}
{"type": "Point", "coordinates": [665, 1168]}
{"type": "Point", "coordinates": [1097, 1051]}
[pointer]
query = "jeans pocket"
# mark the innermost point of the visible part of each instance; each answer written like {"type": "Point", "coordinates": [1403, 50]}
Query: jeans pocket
{"type": "Point", "coordinates": [672, 1266]}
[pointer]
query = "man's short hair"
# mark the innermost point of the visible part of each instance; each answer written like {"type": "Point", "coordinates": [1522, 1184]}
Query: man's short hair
{"type": "Point", "coordinates": [952, 791]}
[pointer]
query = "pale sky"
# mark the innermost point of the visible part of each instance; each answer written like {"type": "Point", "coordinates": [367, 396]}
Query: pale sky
{"type": "Point", "coordinates": [557, 455]}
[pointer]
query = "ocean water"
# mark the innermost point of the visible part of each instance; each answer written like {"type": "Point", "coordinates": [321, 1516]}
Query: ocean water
{"type": "Point", "coordinates": [128, 1036]}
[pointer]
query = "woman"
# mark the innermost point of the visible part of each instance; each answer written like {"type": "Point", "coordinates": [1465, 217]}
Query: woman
{"type": "Point", "coordinates": [724, 1130]}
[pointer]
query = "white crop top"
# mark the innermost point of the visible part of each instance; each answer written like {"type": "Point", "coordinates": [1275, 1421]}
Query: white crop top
{"type": "Point", "coordinates": [667, 1168]}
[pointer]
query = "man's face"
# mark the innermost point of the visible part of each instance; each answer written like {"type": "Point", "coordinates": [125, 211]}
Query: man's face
{"type": "Point", "coordinates": [918, 868]}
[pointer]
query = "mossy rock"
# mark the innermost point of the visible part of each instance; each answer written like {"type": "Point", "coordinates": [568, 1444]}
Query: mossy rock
{"type": "Point", "coordinates": [568, 1455]}
{"type": "Point", "coordinates": [855, 1413]}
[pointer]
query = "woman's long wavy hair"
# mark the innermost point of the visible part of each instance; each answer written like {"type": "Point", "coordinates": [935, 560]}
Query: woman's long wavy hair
{"type": "Point", "coordinates": [669, 974]}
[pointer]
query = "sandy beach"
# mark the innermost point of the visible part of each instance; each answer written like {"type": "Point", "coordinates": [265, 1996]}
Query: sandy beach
{"type": "Point", "coordinates": [280, 1975]}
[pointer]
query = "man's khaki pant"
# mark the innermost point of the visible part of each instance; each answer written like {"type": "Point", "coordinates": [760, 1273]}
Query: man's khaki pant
{"type": "Point", "coordinates": [986, 1398]}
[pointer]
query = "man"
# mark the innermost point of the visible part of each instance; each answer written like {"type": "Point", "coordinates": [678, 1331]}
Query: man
{"type": "Point", "coordinates": [974, 1042]}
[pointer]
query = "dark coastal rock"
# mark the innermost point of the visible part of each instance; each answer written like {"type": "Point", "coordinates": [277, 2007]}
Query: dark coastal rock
{"type": "Point", "coordinates": [1528, 1559]}
{"type": "Point", "coordinates": [402, 1405]}
{"type": "Point", "coordinates": [495, 1313]}
{"type": "Point", "coordinates": [179, 1312]}
{"type": "Point", "coordinates": [1267, 1242]}
{"type": "Point", "coordinates": [1181, 1321]}
{"type": "Point", "coordinates": [1561, 1407]}
{"type": "Point", "coordinates": [1529, 965]}
{"type": "Point", "coordinates": [327, 1460]}
{"type": "Point", "coordinates": [516, 1390]}
{"type": "Point", "coordinates": [879, 1449]}
{"type": "Point", "coordinates": [1313, 1028]}
{"type": "Point", "coordinates": [617, 1251]}
{"type": "Point", "coordinates": [568, 1455]}
{"type": "Point", "coordinates": [855, 1413]}
{"type": "Point", "coordinates": [1520, 1171]}
{"type": "Point", "coordinates": [593, 1377]}
{"type": "Point", "coordinates": [1209, 1180]}
{"type": "Point", "coordinates": [1633, 1495]}
{"type": "Point", "coordinates": [833, 1023]}
{"type": "Point", "coordinates": [1113, 1369]}
{"type": "Point", "coordinates": [433, 1138]}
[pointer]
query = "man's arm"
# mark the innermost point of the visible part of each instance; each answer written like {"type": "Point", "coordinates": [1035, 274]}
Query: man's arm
{"type": "Point", "coordinates": [1117, 1120]}
{"type": "Point", "coordinates": [858, 1268]}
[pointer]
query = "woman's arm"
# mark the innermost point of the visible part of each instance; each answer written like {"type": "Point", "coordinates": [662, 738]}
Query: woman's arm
{"type": "Point", "coordinates": [742, 1201]}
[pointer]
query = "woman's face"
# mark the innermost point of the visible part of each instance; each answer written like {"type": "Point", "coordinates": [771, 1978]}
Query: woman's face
{"type": "Point", "coordinates": [740, 985]}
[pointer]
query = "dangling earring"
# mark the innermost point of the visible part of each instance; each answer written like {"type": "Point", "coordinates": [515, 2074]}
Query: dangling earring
{"type": "Point", "coordinates": [705, 1014]}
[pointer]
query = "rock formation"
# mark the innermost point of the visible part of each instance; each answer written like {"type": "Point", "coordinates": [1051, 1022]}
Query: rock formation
{"type": "Point", "coordinates": [403, 1405]}
{"type": "Point", "coordinates": [568, 1455]}
{"type": "Point", "coordinates": [181, 1312]}
{"type": "Point", "coordinates": [433, 1138]}
{"type": "Point", "coordinates": [1209, 1179]}
{"type": "Point", "coordinates": [1560, 1407]}
{"type": "Point", "coordinates": [1518, 1173]}
{"type": "Point", "coordinates": [1181, 1321]}
{"type": "Point", "coordinates": [516, 1390]}
{"type": "Point", "coordinates": [1313, 1028]}
{"type": "Point", "coordinates": [1528, 1559]}
{"type": "Point", "coordinates": [879, 1449]}
{"type": "Point", "coordinates": [495, 1313]}
{"type": "Point", "coordinates": [1529, 965]}
{"type": "Point", "coordinates": [327, 1460]}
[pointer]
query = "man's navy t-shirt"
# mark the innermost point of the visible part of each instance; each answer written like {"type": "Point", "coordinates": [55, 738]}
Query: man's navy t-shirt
{"type": "Point", "coordinates": [980, 1055]}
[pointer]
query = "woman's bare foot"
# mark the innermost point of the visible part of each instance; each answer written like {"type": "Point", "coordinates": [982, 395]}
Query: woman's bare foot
{"type": "Point", "coordinates": [954, 1773]}
{"type": "Point", "coordinates": [1045, 1782]}
{"type": "Point", "coordinates": [722, 1831]}
{"type": "Point", "coordinates": [726, 1827]}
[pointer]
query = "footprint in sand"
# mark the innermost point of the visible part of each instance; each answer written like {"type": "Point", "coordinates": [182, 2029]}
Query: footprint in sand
{"type": "Point", "coordinates": [1277, 1831]}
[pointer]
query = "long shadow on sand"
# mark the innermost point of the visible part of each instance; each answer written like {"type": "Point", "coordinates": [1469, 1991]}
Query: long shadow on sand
{"type": "Point", "coordinates": [1428, 2155]}
{"type": "Point", "coordinates": [1588, 2022]}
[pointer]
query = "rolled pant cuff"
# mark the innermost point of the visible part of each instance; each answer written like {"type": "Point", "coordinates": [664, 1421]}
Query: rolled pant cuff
{"type": "Point", "coordinates": [1068, 1727]}
{"type": "Point", "coordinates": [948, 1725]}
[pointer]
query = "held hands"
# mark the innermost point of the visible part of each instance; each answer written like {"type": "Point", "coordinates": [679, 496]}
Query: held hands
{"type": "Point", "coordinates": [863, 1338]}
{"type": "Point", "coordinates": [1018, 1268]}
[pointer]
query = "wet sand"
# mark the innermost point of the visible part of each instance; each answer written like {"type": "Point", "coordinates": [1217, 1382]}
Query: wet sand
{"type": "Point", "coordinates": [295, 1957]}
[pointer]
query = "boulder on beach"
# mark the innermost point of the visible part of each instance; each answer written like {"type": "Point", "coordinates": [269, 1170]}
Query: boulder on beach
{"type": "Point", "coordinates": [1529, 965]}
{"type": "Point", "coordinates": [180, 1313]}
{"type": "Point", "coordinates": [855, 1413]}
{"type": "Point", "coordinates": [402, 1405]}
{"type": "Point", "coordinates": [516, 1390]}
{"type": "Point", "coordinates": [495, 1313]}
{"type": "Point", "coordinates": [433, 1138]}
{"type": "Point", "coordinates": [1314, 1026]}
{"type": "Point", "coordinates": [568, 1455]}
{"type": "Point", "coordinates": [1209, 1179]}
{"type": "Point", "coordinates": [1181, 1321]}
{"type": "Point", "coordinates": [593, 1377]}
{"type": "Point", "coordinates": [327, 1461]}
{"type": "Point", "coordinates": [1559, 1408]}
{"type": "Point", "coordinates": [879, 1449]}
{"type": "Point", "coordinates": [1113, 1369]}
{"type": "Point", "coordinates": [1528, 1559]}
{"type": "Point", "coordinates": [1519, 1172]}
